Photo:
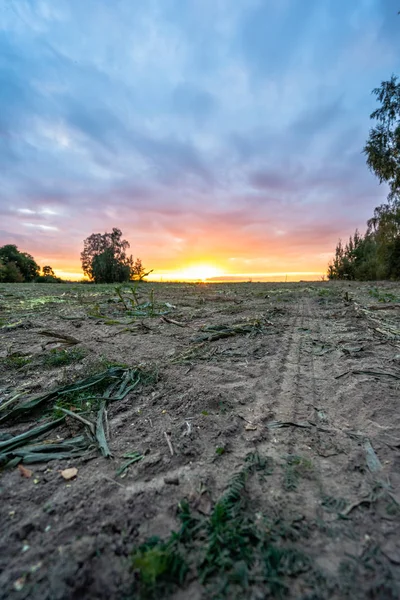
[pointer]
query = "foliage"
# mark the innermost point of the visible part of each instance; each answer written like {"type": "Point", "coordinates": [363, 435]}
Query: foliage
{"type": "Point", "coordinates": [138, 272]}
{"type": "Point", "coordinates": [383, 297]}
{"type": "Point", "coordinates": [17, 266]}
{"type": "Point", "coordinates": [48, 276]}
{"type": "Point", "coordinates": [47, 271]}
{"type": "Point", "coordinates": [296, 467]}
{"type": "Point", "coordinates": [160, 564]}
{"type": "Point", "coordinates": [3, 271]}
{"type": "Point", "coordinates": [235, 550]}
{"type": "Point", "coordinates": [104, 259]}
{"type": "Point", "coordinates": [15, 360]}
{"type": "Point", "coordinates": [12, 273]}
{"type": "Point", "coordinates": [60, 357]}
{"type": "Point", "coordinates": [85, 401]}
{"type": "Point", "coordinates": [108, 268]}
{"type": "Point", "coordinates": [383, 145]}
{"type": "Point", "coordinates": [376, 255]}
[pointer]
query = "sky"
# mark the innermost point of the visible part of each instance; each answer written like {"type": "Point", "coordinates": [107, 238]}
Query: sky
{"type": "Point", "coordinates": [223, 137]}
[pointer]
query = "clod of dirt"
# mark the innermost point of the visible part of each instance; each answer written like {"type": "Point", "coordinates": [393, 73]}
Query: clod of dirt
{"type": "Point", "coordinates": [68, 474]}
{"type": "Point", "coordinates": [171, 480]}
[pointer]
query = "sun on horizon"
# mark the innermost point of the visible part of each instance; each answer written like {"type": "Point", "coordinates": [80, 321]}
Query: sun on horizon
{"type": "Point", "coordinates": [197, 272]}
{"type": "Point", "coordinates": [206, 273]}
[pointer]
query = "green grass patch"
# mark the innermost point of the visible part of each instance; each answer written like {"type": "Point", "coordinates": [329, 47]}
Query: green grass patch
{"type": "Point", "coordinates": [326, 296]}
{"type": "Point", "coordinates": [371, 572]}
{"type": "Point", "coordinates": [15, 361]}
{"type": "Point", "coordinates": [85, 402]}
{"type": "Point", "coordinates": [381, 296]}
{"type": "Point", "coordinates": [296, 467]}
{"type": "Point", "coordinates": [234, 552]}
{"type": "Point", "coordinates": [160, 564]}
{"type": "Point", "coordinates": [61, 357]}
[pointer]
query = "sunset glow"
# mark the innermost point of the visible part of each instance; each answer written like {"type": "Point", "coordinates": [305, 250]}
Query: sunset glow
{"type": "Point", "coordinates": [196, 272]}
{"type": "Point", "coordinates": [223, 138]}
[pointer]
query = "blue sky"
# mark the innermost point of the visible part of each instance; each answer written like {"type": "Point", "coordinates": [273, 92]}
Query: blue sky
{"type": "Point", "coordinates": [218, 132]}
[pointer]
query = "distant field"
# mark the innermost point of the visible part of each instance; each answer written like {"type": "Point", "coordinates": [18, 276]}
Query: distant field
{"type": "Point", "coordinates": [258, 421]}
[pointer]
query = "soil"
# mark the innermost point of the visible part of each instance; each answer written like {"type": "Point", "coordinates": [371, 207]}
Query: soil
{"type": "Point", "coordinates": [313, 387]}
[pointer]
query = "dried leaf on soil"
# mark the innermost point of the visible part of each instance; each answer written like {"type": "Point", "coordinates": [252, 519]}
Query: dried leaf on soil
{"type": "Point", "coordinates": [367, 372]}
{"type": "Point", "coordinates": [373, 462]}
{"type": "Point", "coordinates": [100, 433]}
{"type": "Point", "coordinates": [24, 471]}
{"type": "Point", "coordinates": [67, 340]}
{"type": "Point", "coordinates": [280, 424]}
{"type": "Point", "coordinates": [216, 332]}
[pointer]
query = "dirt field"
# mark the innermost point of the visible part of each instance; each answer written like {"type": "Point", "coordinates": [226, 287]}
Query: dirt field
{"type": "Point", "coordinates": [261, 423]}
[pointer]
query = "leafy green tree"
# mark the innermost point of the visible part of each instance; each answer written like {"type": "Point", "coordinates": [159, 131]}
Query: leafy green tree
{"type": "Point", "coordinates": [393, 262]}
{"type": "Point", "coordinates": [24, 266]}
{"type": "Point", "coordinates": [12, 273]}
{"type": "Point", "coordinates": [383, 145]}
{"type": "Point", "coordinates": [376, 255]}
{"type": "Point", "coordinates": [106, 268]}
{"type": "Point", "coordinates": [2, 271]}
{"type": "Point", "coordinates": [104, 258]}
{"type": "Point", "coordinates": [48, 272]}
{"type": "Point", "coordinates": [48, 276]}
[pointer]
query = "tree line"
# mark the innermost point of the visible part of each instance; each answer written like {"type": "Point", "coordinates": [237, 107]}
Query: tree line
{"type": "Point", "coordinates": [104, 260]}
{"type": "Point", "coordinates": [376, 253]}
{"type": "Point", "coordinates": [19, 267]}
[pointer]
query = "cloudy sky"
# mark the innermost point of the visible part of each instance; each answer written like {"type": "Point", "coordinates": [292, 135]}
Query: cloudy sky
{"type": "Point", "coordinates": [218, 133]}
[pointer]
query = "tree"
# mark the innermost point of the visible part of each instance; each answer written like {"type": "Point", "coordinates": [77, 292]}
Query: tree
{"type": "Point", "coordinates": [48, 276]}
{"type": "Point", "coordinates": [2, 271]}
{"type": "Point", "coordinates": [48, 272]}
{"type": "Point", "coordinates": [12, 274]}
{"type": "Point", "coordinates": [107, 268]}
{"type": "Point", "coordinates": [383, 145]}
{"type": "Point", "coordinates": [104, 258]}
{"type": "Point", "coordinates": [376, 255]}
{"type": "Point", "coordinates": [138, 271]}
{"type": "Point", "coordinates": [24, 267]}
{"type": "Point", "coordinates": [358, 259]}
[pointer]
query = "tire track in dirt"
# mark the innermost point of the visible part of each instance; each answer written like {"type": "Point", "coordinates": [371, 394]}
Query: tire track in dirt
{"type": "Point", "coordinates": [297, 401]}
{"type": "Point", "coordinates": [268, 381]}
{"type": "Point", "coordinates": [281, 393]}
{"type": "Point", "coordinates": [336, 449]}
{"type": "Point", "coordinates": [341, 477]}
{"type": "Point", "coordinates": [287, 364]}
{"type": "Point", "coordinates": [275, 375]}
{"type": "Point", "coordinates": [301, 387]}
{"type": "Point", "coordinates": [264, 380]}
{"type": "Point", "coordinates": [319, 383]}
{"type": "Point", "coordinates": [314, 385]}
